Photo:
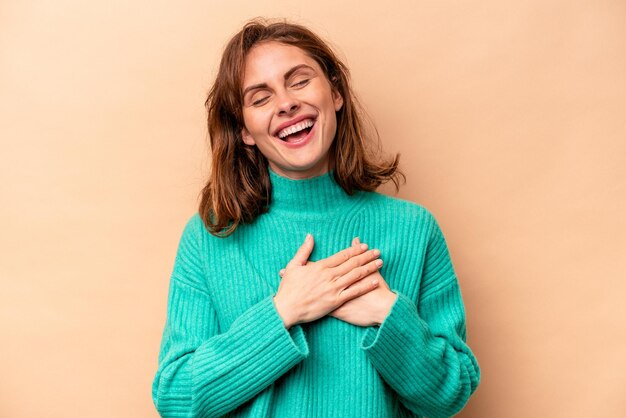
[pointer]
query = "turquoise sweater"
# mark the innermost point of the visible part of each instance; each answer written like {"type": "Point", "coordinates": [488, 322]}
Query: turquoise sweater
{"type": "Point", "coordinates": [225, 349]}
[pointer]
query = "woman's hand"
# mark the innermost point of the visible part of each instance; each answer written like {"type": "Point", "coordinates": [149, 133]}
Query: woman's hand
{"type": "Point", "coordinates": [370, 308]}
{"type": "Point", "coordinates": [310, 290]}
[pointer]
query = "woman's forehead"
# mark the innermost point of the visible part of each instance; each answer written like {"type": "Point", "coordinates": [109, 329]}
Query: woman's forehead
{"type": "Point", "coordinates": [274, 59]}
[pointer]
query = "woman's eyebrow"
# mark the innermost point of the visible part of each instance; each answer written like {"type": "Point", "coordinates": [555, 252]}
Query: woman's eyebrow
{"type": "Point", "coordinates": [254, 87]}
{"type": "Point", "coordinates": [286, 76]}
{"type": "Point", "coordinates": [296, 68]}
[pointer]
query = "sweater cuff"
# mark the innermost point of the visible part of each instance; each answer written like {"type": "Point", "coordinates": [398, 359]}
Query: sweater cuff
{"type": "Point", "coordinates": [398, 335]}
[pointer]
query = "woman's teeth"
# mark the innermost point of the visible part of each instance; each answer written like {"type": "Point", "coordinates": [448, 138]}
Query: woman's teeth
{"type": "Point", "coordinates": [295, 128]}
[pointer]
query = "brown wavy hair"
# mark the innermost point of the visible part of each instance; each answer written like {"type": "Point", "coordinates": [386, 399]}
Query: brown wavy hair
{"type": "Point", "coordinates": [239, 188]}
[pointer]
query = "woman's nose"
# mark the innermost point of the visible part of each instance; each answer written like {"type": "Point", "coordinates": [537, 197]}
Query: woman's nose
{"type": "Point", "coordinates": [287, 104]}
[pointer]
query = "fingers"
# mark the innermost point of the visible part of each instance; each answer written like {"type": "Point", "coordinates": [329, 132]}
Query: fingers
{"type": "Point", "coordinates": [355, 262]}
{"type": "Point", "coordinates": [303, 253]}
{"type": "Point", "coordinates": [358, 273]}
{"type": "Point", "coordinates": [344, 261]}
{"type": "Point", "coordinates": [360, 288]}
{"type": "Point", "coordinates": [343, 256]}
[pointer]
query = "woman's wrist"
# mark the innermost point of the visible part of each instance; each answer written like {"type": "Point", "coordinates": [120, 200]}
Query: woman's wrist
{"type": "Point", "coordinates": [386, 305]}
{"type": "Point", "coordinates": [285, 313]}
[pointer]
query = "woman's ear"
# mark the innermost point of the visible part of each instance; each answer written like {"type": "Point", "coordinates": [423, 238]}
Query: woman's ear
{"type": "Point", "coordinates": [337, 99]}
{"type": "Point", "coordinates": [247, 138]}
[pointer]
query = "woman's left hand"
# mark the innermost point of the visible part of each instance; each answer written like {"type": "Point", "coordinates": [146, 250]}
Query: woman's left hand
{"type": "Point", "coordinates": [369, 309]}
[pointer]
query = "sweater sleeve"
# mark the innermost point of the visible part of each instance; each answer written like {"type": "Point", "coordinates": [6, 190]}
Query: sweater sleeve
{"type": "Point", "coordinates": [422, 352]}
{"type": "Point", "coordinates": [205, 372]}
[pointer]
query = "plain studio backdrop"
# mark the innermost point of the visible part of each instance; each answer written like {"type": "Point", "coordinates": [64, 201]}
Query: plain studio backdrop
{"type": "Point", "coordinates": [510, 121]}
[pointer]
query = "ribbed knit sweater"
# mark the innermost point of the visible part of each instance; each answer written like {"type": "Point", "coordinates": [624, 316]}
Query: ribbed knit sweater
{"type": "Point", "coordinates": [225, 350]}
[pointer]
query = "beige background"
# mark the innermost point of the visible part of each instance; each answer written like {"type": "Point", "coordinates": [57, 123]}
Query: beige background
{"type": "Point", "coordinates": [510, 118]}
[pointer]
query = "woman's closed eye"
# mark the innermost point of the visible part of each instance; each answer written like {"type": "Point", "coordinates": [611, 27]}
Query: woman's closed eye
{"type": "Point", "coordinates": [301, 83]}
{"type": "Point", "coordinates": [259, 101]}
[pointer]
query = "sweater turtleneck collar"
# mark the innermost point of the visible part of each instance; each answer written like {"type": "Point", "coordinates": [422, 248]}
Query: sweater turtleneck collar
{"type": "Point", "coordinates": [319, 195]}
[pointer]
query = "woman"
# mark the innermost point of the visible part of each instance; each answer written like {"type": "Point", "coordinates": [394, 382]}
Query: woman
{"type": "Point", "coordinates": [261, 324]}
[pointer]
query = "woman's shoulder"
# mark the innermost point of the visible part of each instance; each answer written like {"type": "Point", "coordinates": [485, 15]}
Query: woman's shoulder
{"type": "Point", "coordinates": [397, 214]}
{"type": "Point", "coordinates": [399, 208]}
{"type": "Point", "coordinates": [194, 226]}
{"type": "Point", "coordinates": [195, 230]}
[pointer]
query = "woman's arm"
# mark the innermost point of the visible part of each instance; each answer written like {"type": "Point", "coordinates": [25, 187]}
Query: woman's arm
{"type": "Point", "coordinates": [203, 372]}
{"type": "Point", "coordinates": [420, 348]}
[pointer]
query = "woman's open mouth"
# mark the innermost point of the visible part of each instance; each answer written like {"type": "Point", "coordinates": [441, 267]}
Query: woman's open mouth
{"type": "Point", "coordinates": [297, 132]}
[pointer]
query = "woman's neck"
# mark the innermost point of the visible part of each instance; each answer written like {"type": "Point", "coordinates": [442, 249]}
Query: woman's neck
{"type": "Point", "coordinates": [315, 196]}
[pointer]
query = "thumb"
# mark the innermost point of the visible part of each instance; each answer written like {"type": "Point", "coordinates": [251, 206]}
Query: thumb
{"type": "Point", "coordinates": [303, 253]}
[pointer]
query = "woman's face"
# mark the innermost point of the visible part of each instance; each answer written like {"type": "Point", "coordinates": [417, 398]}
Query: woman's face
{"type": "Point", "coordinates": [289, 109]}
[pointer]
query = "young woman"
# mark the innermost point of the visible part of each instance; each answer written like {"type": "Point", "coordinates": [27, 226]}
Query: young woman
{"type": "Point", "coordinates": [277, 306]}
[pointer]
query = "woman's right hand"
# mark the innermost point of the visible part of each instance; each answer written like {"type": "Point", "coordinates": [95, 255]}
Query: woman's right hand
{"type": "Point", "coordinates": [310, 290]}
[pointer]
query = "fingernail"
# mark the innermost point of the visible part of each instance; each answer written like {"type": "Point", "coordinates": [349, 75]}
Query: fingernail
{"type": "Point", "coordinates": [357, 240]}
{"type": "Point", "coordinates": [376, 252]}
{"type": "Point", "coordinates": [364, 246]}
{"type": "Point", "coordinates": [379, 262]}
{"type": "Point", "coordinates": [308, 236]}
{"type": "Point", "coordinates": [374, 282]}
